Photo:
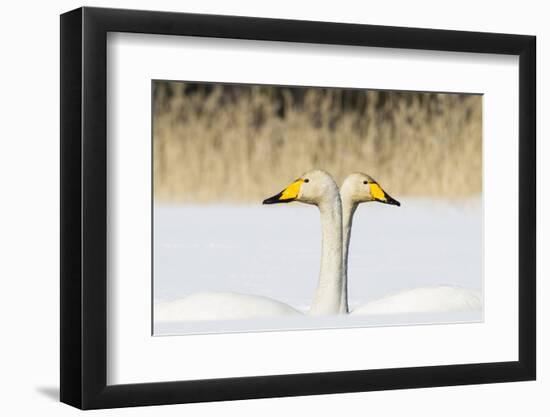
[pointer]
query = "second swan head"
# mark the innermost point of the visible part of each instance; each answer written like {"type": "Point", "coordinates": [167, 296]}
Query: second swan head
{"type": "Point", "coordinates": [359, 188]}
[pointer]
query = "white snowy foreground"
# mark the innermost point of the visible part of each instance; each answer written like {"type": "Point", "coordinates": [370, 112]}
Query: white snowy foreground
{"type": "Point", "coordinates": [274, 251]}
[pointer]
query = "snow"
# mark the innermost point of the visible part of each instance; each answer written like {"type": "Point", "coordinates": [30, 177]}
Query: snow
{"type": "Point", "coordinates": [274, 251]}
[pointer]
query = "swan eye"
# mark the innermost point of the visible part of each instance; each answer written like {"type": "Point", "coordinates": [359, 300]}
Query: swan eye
{"type": "Point", "coordinates": [306, 180]}
{"type": "Point", "coordinates": [365, 182]}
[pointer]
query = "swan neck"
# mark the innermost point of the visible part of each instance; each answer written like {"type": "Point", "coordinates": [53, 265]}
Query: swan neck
{"type": "Point", "coordinates": [328, 297]}
{"type": "Point", "coordinates": [348, 210]}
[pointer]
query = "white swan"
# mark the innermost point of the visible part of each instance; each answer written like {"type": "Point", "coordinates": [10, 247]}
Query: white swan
{"type": "Point", "coordinates": [436, 299]}
{"type": "Point", "coordinates": [221, 306]}
{"type": "Point", "coordinates": [358, 188]}
{"type": "Point", "coordinates": [317, 188]}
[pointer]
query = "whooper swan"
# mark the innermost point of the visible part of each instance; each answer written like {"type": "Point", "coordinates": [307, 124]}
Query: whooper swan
{"type": "Point", "coordinates": [358, 188]}
{"type": "Point", "coordinates": [317, 188]}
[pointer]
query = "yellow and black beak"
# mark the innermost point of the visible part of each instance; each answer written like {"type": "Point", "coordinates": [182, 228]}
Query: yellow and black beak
{"type": "Point", "coordinates": [381, 196]}
{"type": "Point", "coordinates": [289, 194]}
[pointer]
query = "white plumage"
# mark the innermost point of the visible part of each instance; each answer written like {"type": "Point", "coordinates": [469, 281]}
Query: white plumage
{"type": "Point", "coordinates": [358, 188]}
{"type": "Point", "coordinates": [221, 305]}
{"type": "Point", "coordinates": [314, 187]}
{"type": "Point", "coordinates": [424, 300]}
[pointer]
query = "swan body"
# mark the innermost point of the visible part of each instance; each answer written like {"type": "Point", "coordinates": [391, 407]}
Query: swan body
{"type": "Point", "coordinates": [424, 300]}
{"type": "Point", "coordinates": [221, 305]}
{"type": "Point", "coordinates": [358, 188]}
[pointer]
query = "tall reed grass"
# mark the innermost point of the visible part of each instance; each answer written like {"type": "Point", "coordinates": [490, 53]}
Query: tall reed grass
{"type": "Point", "coordinates": [216, 143]}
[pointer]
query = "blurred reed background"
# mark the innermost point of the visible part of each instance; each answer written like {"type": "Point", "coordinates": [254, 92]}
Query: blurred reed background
{"type": "Point", "coordinates": [242, 143]}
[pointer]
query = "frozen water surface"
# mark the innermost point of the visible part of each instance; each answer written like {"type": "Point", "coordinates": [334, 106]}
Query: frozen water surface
{"type": "Point", "coordinates": [274, 251]}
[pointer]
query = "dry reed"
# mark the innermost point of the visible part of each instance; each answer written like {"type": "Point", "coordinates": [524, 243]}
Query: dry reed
{"type": "Point", "coordinates": [211, 146]}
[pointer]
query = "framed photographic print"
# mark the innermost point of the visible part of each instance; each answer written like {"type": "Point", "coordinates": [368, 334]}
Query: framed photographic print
{"type": "Point", "coordinates": [258, 207]}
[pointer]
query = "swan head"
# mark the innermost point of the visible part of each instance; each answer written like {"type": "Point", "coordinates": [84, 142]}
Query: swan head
{"type": "Point", "coordinates": [359, 188]}
{"type": "Point", "coordinates": [313, 187]}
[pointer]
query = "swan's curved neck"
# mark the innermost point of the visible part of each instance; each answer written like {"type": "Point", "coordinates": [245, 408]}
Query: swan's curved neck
{"type": "Point", "coordinates": [348, 210]}
{"type": "Point", "coordinates": [329, 298]}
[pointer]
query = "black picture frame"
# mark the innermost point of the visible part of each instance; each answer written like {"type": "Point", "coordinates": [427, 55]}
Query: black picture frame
{"type": "Point", "coordinates": [84, 207]}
